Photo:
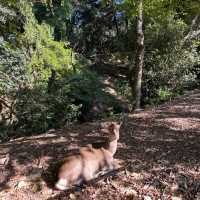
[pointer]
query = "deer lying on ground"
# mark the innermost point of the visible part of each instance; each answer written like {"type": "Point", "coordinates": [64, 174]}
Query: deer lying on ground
{"type": "Point", "coordinates": [89, 162]}
{"type": "Point", "coordinates": [110, 144]}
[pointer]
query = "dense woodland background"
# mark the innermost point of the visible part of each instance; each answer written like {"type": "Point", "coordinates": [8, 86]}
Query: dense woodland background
{"type": "Point", "coordinates": [64, 60]}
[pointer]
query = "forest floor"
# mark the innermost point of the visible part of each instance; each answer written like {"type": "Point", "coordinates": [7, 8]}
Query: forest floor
{"type": "Point", "coordinates": [158, 147]}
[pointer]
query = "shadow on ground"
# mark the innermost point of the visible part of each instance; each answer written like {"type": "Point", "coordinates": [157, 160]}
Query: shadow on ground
{"type": "Point", "coordinates": [158, 147]}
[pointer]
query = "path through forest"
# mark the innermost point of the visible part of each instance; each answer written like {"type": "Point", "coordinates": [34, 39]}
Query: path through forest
{"type": "Point", "coordinates": [160, 148]}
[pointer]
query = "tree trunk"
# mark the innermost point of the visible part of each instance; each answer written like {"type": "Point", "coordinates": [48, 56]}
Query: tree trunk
{"type": "Point", "coordinates": [136, 71]}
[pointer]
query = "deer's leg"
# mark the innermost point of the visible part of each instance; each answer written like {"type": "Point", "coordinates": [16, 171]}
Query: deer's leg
{"type": "Point", "coordinates": [62, 184]}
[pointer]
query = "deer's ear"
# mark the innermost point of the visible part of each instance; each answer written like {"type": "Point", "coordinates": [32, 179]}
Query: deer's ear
{"type": "Point", "coordinates": [111, 127]}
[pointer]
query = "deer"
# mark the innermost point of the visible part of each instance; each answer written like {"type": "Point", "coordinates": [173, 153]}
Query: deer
{"type": "Point", "coordinates": [90, 161]}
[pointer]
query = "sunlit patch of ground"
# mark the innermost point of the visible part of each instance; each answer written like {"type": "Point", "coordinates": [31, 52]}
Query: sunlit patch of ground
{"type": "Point", "coordinates": [158, 153]}
{"type": "Point", "coordinates": [178, 123]}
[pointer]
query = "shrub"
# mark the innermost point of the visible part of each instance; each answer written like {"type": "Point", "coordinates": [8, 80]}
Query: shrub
{"type": "Point", "coordinates": [38, 111]}
{"type": "Point", "coordinates": [168, 67]}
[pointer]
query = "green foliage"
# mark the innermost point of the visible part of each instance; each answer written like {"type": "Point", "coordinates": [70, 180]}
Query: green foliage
{"type": "Point", "coordinates": [87, 88]}
{"type": "Point", "coordinates": [168, 63]}
{"type": "Point", "coordinates": [85, 82]}
{"type": "Point", "coordinates": [51, 55]}
{"type": "Point", "coordinates": [168, 60]}
{"type": "Point", "coordinates": [38, 111]}
{"type": "Point", "coordinates": [46, 54]}
{"type": "Point", "coordinates": [26, 64]}
{"type": "Point", "coordinates": [123, 89]}
{"type": "Point", "coordinates": [164, 94]}
{"type": "Point", "coordinates": [56, 14]}
{"type": "Point", "coordinates": [13, 72]}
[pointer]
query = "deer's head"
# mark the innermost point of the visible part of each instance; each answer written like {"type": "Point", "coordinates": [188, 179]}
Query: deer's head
{"type": "Point", "coordinates": [111, 129]}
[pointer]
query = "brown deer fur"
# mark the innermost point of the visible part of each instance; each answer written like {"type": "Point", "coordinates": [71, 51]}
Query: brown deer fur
{"type": "Point", "coordinates": [89, 162]}
{"type": "Point", "coordinates": [113, 136]}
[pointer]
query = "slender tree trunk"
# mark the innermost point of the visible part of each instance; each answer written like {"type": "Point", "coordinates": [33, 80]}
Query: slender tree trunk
{"type": "Point", "coordinates": [116, 25]}
{"type": "Point", "coordinates": [136, 71]}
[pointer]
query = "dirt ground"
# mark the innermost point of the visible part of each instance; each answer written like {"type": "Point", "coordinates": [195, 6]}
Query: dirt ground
{"type": "Point", "coordinates": [159, 149]}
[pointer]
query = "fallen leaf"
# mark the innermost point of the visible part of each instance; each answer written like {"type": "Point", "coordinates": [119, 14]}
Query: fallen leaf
{"type": "Point", "coordinates": [176, 198]}
{"type": "Point", "coordinates": [21, 184]}
{"type": "Point", "coordinates": [72, 196]}
{"type": "Point", "coordinates": [147, 198]}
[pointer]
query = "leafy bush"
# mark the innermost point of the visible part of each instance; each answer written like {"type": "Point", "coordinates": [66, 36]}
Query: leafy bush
{"type": "Point", "coordinates": [168, 61]}
{"type": "Point", "coordinates": [87, 90]}
{"type": "Point", "coordinates": [123, 89]}
{"type": "Point", "coordinates": [38, 111]}
{"type": "Point", "coordinates": [26, 65]}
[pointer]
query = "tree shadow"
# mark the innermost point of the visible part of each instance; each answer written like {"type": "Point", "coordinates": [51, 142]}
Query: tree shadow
{"type": "Point", "coordinates": [153, 147]}
{"type": "Point", "coordinates": [43, 152]}
{"type": "Point", "coordinates": [164, 142]}
{"type": "Point", "coordinates": [6, 173]}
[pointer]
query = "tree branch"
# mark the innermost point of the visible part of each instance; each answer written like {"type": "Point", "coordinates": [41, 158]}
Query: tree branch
{"type": "Point", "coordinates": [192, 33]}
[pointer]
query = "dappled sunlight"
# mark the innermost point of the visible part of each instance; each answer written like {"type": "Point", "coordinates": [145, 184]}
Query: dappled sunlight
{"type": "Point", "coordinates": [177, 123]}
{"type": "Point", "coordinates": [158, 152]}
{"type": "Point", "coordinates": [142, 115]}
{"type": "Point", "coordinates": [186, 108]}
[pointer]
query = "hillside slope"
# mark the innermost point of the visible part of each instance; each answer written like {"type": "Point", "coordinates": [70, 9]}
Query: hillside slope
{"type": "Point", "coordinates": [159, 148]}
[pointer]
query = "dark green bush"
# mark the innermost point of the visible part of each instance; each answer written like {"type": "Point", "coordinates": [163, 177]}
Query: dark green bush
{"type": "Point", "coordinates": [38, 111]}
{"type": "Point", "coordinates": [168, 60]}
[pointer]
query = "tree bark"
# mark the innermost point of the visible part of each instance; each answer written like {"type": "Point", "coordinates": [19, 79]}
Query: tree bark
{"type": "Point", "coordinates": [137, 69]}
